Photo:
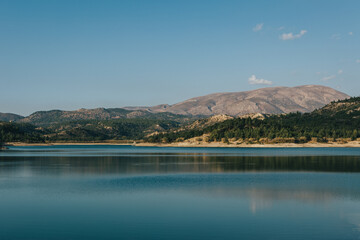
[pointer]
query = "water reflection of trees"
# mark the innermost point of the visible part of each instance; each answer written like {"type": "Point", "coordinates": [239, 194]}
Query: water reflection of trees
{"type": "Point", "coordinates": [134, 164]}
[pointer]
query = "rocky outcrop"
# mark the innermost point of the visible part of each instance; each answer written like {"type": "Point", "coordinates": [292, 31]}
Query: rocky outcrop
{"type": "Point", "coordinates": [202, 123]}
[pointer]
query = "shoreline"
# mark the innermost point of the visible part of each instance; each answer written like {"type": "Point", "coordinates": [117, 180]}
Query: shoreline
{"type": "Point", "coordinates": [196, 144]}
{"type": "Point", "coordinates": [354, 144]}
{"type": "Point", "coordinates": [22, 144]}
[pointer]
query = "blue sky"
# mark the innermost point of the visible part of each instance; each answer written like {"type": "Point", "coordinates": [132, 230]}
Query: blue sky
{"type": "Point", "coordinates": [70, 54]}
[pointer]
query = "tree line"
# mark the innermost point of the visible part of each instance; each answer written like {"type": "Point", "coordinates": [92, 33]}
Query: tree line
{"type": "Point", "coordinates": [84, 130]}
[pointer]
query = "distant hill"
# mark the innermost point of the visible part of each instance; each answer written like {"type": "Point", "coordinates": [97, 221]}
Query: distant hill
{"type": "Point", "coordinates": [7, 117]}
{"type": "Point", "coordinates": [273, 100]}
{"type": "Point", "coordinates": [58, 116]}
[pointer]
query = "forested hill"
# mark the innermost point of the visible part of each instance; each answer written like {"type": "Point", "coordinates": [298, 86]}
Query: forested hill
{"type": "Point", "coordinates": [46, 118]}
{"type": "Point", "coordinates": [87, 125]}
{"type": "Point", "coordinates": [84, 130]}
{"type": "Point", "coordinates": [348, 108]}
{"type": "Point", "coordinates": [336, 120]}
{"type": "Point", "coordinates": [9, 117]}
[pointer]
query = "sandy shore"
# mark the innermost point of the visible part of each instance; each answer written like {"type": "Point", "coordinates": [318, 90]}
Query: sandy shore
{"type": "Point", "coordinates": [21, 144]}
{"type": "Point", "coordinates": [200, 144]}
{"type": "Point", "coordinates": [255, 145]}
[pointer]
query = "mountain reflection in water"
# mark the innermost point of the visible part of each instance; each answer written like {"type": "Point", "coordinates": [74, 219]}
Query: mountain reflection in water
{"type": "Point", "coordinates": [177, 164]}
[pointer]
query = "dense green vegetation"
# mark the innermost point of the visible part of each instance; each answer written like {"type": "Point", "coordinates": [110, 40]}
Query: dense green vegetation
{"type": "Point", "coordinates": [336, 120]}
{"type": "Point", "coordinates": [84, 130]}
{"type": "Point", "coordinates": [19, 132]}
{"type": "Point", "coordinates": [47, 118]}
{"type": "Point", "coordinates": [119, 129]}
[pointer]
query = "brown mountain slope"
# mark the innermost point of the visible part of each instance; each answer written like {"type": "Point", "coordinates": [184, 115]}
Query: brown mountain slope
{"type": "Point", "coordinates": [272, 100]}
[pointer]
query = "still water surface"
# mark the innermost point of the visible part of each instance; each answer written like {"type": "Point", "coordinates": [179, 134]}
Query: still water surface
{"type": "Point", "coordinates": [125, 192]}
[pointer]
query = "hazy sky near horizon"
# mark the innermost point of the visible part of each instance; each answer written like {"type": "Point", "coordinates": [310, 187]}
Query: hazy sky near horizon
{"type": "Point", "coordinates": [70, 54]}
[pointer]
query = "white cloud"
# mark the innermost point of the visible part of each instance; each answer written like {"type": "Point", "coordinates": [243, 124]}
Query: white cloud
{"type": "Point", "coordinates": [358, 61]}
{"type": "Point", "coordinates": [351, 33]}
{"type": "Point", "coordinates": [291, 36]}
{"type": "Point", "coordinates": [330, 77]}
{"type": "Point", "coordinates": [258, 81]}
{"type": "Point", "coordinates": [258, 27]}
{"type": "Point", "coordinates": [327, 78]}
{"type": "Point", "coordinates": [336, 36]}
{"type": "Point", "coordinates": [281, 28]}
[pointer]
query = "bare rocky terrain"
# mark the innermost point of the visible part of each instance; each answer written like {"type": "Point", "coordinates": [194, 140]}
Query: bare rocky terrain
{"type": "Point", "coordinates": [273, 100]}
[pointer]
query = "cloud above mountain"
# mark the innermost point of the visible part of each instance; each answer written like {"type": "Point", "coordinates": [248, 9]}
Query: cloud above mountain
{"type": "Point", "coordinates": [291, 36]}
{"type": "Point", "coordinates": [258, 27]}
{"type": "Point", "coordinates": [258, 81]}
{"type": "Point", "coordinates": [327, 78]}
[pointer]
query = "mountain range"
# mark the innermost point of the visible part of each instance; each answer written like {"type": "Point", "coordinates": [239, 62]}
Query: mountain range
{"type": "Point", "coordinates": [271, 100]}
{"type": "Point", "coordinates": [338, 121]}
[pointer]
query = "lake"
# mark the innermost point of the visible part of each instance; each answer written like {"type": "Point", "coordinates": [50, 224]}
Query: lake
{"type": "Point", "coordinates": [127, 192]}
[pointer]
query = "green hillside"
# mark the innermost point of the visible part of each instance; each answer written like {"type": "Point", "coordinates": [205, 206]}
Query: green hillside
{"type": "Point", "coordinates": [119, 129]}
{"type": "Point", "coordinates": [84, 130]}
{"type": "Point", "coordinates": [19, 132]}
{"type": "Point", "coordinates": [47, 118]}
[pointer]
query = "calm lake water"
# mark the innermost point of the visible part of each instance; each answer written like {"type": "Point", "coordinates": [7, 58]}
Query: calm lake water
{"type": "Point", "coordinates": [125, 192]}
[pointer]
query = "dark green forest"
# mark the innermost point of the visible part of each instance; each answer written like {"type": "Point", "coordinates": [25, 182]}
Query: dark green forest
{"type": "Point", "coordinates": [84, 130]}
{"type": "Point", "coordinates": [19, 132]}
{"type": "Point", "coordinates": [119, 129]}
